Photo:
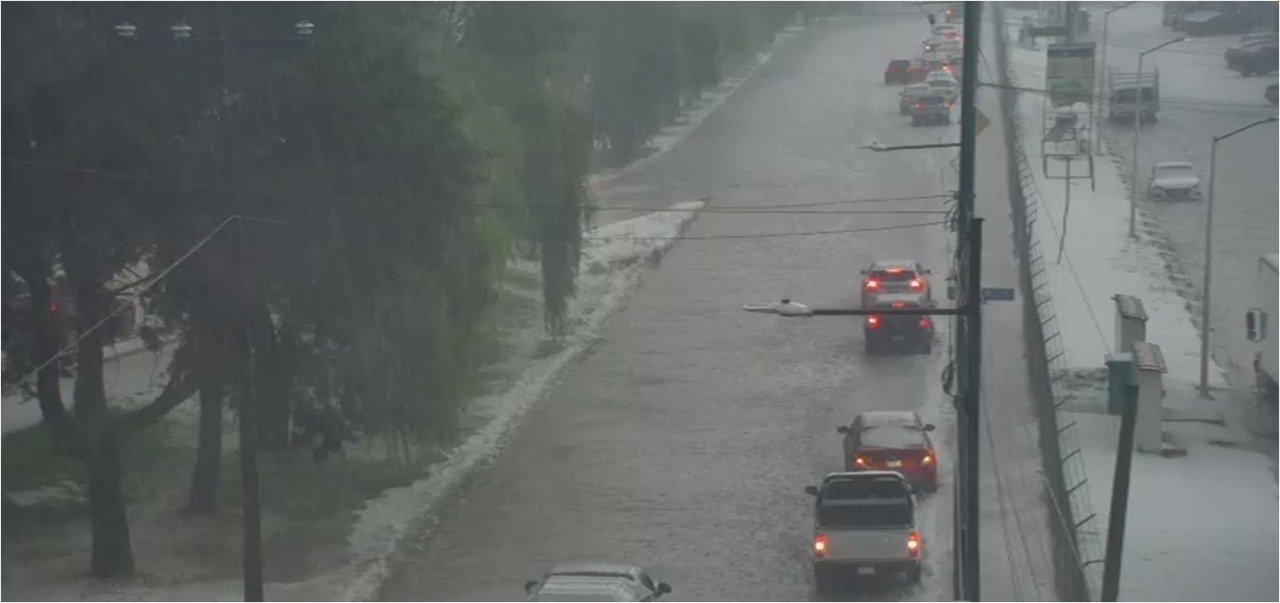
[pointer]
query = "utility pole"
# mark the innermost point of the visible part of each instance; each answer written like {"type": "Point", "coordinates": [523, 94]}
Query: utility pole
{"type": "Point", "coordinates": [969, 337]}
{"type": "Point", "coordinates": [1120, 495]}
{"type": "Point", "coordinates": [250, 498]}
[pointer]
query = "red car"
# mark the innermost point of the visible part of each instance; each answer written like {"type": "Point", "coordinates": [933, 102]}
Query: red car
{"type": "Point", "coordinates": [887, 440]}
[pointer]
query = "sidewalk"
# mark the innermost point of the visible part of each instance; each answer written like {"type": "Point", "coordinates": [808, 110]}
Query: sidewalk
{"type": "Point", "coordinates": [1202, 526]}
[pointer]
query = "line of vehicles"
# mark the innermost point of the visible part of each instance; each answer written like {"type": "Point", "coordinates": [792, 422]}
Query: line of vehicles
{"type": "Point", "coordinates": [865, 514]}
{"type": "Point", "coordinates": [930, 81]}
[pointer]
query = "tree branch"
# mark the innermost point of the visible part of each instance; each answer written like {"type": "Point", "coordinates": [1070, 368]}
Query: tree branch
{"type": "Point", "coordinates": [179, 389]}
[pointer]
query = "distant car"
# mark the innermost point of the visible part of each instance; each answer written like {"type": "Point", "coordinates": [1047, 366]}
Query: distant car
{"type": "Point", "coordinates": [930, 109]}
{"type": "Point", "coordinates": [1247, 41]}
{"type": "Point", "coordinates": [1270, 93]}
{"type": "Point", "coordinates": [943, 83]}
{"type": "Point", "coordinates": [1257, 58]}
{"type": "Point", "coordinates": [946, 30]}
{"type": "Point", "coordinates": [892, 441]}
{"type": "Point", "coordinates": [894, 276]}
{"type": "Point", "coordinates": [908, 96]}
{"type": "Point", "coordinates": [905, 332]}
{"type": "Point", "coordinates": [898, 72]}
{"type": "Point", "coordinates": [595, 582]}
{"type": "Point", "coordinates": [1173, 180]}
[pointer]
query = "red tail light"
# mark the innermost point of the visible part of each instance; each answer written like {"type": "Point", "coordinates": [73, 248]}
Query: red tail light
{"type": "Point", "coordinates": [899, 304]}
{"type": "Point", "coordinates": [924, 323]}
{"type": "Point", "coordinates": [894, 271]}
{"type": "Point", "coordinates": [873, 321]}
{"type": "Point", "coordinates": [860, 461]}
{"type": "Point", "coordinates": [927, 459]}
{"type": "Point", "coordinates": [919, 105]}
{"type": "Point", "coordinates": [916, 284]}
{"type": "Point", "coordinates": [873, 284]}
{"type": "Point", "coordinates": [54, 306]}
{"type": "Point", "coordinates": [914, 544]}
{"type": "Point", "coordinates": [820, 546]}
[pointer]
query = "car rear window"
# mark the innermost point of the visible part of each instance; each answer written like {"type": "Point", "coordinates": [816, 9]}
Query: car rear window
{"type": "Point", "coordinates": [928, 100]}
{"type": "Point", "coordinates": [864, 489]}
{"type": "Point", "coordinates": [865, 516]}
{"type": "Point", "coordinates": [901, 275]}
{"type": "Point", "coordinates": [899, 437]}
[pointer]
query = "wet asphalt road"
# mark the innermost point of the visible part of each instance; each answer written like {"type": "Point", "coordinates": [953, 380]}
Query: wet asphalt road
{"type": "Point", "coordinates": [683, 441]}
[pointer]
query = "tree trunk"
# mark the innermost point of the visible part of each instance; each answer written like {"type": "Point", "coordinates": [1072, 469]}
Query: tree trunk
{"type": "Point", "coordinates": [203, 496]}
{"type": "Point", "coordinates": [112, 550]}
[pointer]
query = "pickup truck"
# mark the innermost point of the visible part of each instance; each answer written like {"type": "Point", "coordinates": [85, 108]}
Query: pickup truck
{"type": "Point", "coordinates": [864, 524]}
{"type": "Point", "coordinates": [1259, 327]}
{"type": "Point", "coordinates": [1131, 92]}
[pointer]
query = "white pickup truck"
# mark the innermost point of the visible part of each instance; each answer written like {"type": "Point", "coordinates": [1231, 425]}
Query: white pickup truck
{"type": "Point", "coordinates": [1259, 326]}
{"type": "Point", "coordinates": [864, 524]}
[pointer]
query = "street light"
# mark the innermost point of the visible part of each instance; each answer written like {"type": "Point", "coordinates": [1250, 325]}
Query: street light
{"type": "Point", "coordinates": [1137, 127]}
{"type": "Point", "coordinates": [1208, 257]}
{"type": "Point", "coordinates": [1097, 115]}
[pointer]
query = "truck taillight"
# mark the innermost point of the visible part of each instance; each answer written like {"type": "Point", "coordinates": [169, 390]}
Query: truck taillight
{"type": "Point", "coordinates": [926, 459]}
{"type": "Point", "coordinates": [913, 544]}
{"type": "Point", "coordinates": [924, 323]}
{"type": "Point", "coordinates": [860, 461]}
{"type": "Point", "coordinates": [873, 321]}
{"type": "Point", "coordinates": [916, 284]}
{"type": "Point", "coordinates": [873, 284]}
{"type": "Point", "coordinates": [820, 546]}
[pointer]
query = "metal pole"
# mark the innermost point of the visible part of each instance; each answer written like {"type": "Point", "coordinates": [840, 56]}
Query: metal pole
{"type": "Point", "coordinates": [1208, 271]}
{"type": "Point", "coordinates": [1101, 69]}
{"type": "Point", "coordinates": [1066, 208]}
{"type": "Point", "coordinates": [970, 233]}
{"type": "Point", "coordinates": [1120, 496]}
{"type": "Point", "coordinates": [1133, 164]}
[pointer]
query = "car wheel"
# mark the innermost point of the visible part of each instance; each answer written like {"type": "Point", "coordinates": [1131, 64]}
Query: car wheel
{"type": "Point", "coordinates": [913, 573]}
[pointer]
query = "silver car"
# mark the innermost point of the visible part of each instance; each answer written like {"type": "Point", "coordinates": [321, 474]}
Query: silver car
{"type": "Point", "coordinates": [596, 582]}
{"type": "Point", "coordinates": [1174, 180]}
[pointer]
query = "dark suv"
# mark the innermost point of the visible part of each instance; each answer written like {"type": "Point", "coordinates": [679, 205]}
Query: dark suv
{"type": "Point", "coordinates": [898, 72]}
{"type": "Point", "coordinates": [911, 333]}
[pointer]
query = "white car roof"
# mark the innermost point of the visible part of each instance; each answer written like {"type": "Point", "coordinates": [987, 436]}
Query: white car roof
{"type": "Point", "coordinates": [1174, 164]}
{"type": "Point", "coordinates": [590, 588]}
{"type": "Point", "coordinates": [874, 418]}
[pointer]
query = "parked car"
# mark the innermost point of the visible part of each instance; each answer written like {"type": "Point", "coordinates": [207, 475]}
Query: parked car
{"type": "Point", "coordinates": [1247, 41]}
{"type": "Point", "coordinates": [864, 524]}
{"type": "Point", "coordinates": [887, 440]}
{"type": "Point", "coordinates": [1173, 180]}
{"type": "Point", "coordinates": [1257, 58]}
{"type": "Point", "coordinates": [596, 582]}
{"type": "Point", "coordinates": [1270, 93]}
{"type": "Point", "coordinates": [908, 96]}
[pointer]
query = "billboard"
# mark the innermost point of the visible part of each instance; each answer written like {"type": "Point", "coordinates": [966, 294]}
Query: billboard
{"type": "Point", "coordinates": [1069, 73]}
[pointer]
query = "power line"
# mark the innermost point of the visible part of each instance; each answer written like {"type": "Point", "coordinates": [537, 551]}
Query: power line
{"type": "Point", "coordinates": [769, 235]}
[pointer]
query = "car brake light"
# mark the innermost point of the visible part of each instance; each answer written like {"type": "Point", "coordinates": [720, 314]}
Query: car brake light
{"type": "Point", "coordinates": [913, 544]}
{"type": "Point", "coordinates": [924, 323]}
{"type": "Point", "coordinates": [873, 284]}
{"type": "Point", "coordinates": [926, 459]}
{"type": "Point", "coordinates": [919, 105]}
{"type": "Point", "coordinates": [916, 284]}
{"type": "Point", "coordinates": [54, 306]}
{"type": "Point", "coordinates": [873, 321]}
{"type": "Point", "coordinates": [894, 271]}
{"type": "Point", "coordinates": [860, 461]}
{"type": "Point", "coordinates": [820, 546]}
{"type": "Point", "coordinates": [899, 304]}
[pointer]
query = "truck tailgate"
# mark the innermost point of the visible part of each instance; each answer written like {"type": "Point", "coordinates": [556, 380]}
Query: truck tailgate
{"type": "Point", "coordinates": [867, 544]}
